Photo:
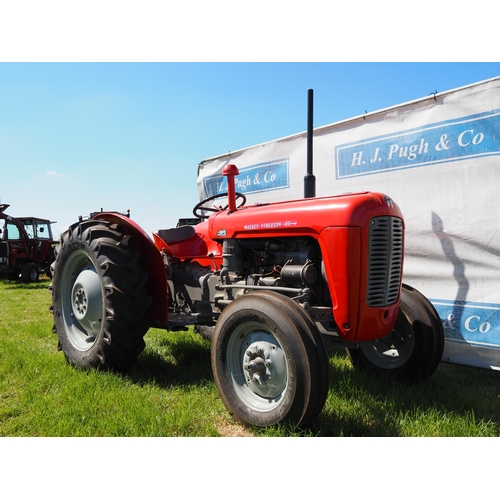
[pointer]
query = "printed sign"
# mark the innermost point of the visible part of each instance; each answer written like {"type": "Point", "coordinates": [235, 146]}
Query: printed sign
{"type": "Point", "coordinates": [265, 176]}
{"type": "Point", "coordinates": [476, 324]}
{"type": "Point", "coordinates": [465, 138]}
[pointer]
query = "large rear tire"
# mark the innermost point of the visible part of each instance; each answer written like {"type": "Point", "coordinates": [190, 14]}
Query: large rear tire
{"type": "Point", "coordinates": [413, 349]}
{"type": "Point", "coordinates": [99, 298]}
{"type": "Point", "coordinates": [267, 362]}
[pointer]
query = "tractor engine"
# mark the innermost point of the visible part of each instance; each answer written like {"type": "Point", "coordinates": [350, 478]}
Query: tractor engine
{"type": "Point", "coordinates": [291, 266]}
{"type": "Point", "coordinates": [288, 262]}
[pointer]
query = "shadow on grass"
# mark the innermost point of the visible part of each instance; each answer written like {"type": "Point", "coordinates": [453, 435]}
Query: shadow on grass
{"type": "Point", "coordinates": [20, 285]}
{"type": "Point", "coordinates": [185, 363]}
{"type": "Point", "coordinates": [361, 403]}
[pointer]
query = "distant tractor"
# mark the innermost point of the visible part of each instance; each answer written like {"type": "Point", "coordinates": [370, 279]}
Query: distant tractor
{"type": "Point", "coordinates": [26, 246]}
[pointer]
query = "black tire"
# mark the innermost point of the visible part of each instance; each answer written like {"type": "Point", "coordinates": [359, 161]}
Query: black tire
{"type": "Point", "coordinates": [29, 273]}
{"type": "Point", "coordinates": [414, 348]}
{"type": "Point", "coordinates": [99, 298]}
{"type": "Point", "coordinates": [260, 328]}
{"type": "Point", "coordinates": [318, 357]}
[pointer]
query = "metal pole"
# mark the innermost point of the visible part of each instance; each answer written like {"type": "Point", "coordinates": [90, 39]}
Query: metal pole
{"type": "Point", "coordinates": [309, 179]}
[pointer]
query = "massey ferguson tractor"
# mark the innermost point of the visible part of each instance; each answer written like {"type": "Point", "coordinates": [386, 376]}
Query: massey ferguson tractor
{"type": "Point", "coordinates": [26, 246]}
{"type": "Point", "coordinates": [270, 281]}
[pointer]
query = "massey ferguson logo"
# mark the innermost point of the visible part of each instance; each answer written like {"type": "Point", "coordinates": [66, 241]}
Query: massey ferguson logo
{"type": "Point", "coordinates": [389, 201]}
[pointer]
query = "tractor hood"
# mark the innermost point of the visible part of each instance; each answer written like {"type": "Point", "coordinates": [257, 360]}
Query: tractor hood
{"type": "Point", "coordinates": [307, 216]}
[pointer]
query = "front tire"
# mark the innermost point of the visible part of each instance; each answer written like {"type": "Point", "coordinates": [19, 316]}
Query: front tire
{"type": "Point", "coordinates": [99, 298]}
{"type": "Point", "coordinates": [413, 349]}
{"type": "Point", "coordinates": [29, 273]}
{"type": "Point", "coordinates": [266, 363]}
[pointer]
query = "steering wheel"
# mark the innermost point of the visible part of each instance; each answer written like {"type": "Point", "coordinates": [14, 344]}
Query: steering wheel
{"type": "Point", "coordinates": [199, 208]}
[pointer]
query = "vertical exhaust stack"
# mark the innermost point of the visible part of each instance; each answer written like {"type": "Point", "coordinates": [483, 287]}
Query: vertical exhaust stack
{"type": "Point", "coordinates": [309, 179]}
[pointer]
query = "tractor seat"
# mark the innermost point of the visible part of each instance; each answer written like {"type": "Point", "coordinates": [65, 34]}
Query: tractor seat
{"type": "Point", "coordinates": [176, 234]}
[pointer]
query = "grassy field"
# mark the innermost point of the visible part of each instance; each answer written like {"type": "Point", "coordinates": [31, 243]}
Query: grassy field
{"type": "Point", "coordinates": [170, 391]}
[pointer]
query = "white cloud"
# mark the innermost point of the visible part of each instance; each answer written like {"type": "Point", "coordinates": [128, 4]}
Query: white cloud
{"type": "Point", "coordinates": [54, 173]}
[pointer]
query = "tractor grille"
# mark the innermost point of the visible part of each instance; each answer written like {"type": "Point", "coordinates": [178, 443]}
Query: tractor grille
{"type": "Point", "coordinates": [385, 261]}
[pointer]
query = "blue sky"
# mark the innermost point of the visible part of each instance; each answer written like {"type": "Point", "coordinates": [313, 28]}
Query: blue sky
{"type": "Point", "coordinates": [82, 127]}
{"type": "Point", "coordinates": [75, 137]}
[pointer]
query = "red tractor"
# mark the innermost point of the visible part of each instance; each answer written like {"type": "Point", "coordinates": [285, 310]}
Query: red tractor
{"type": "Point", "coordinates": [270, 280]}
{"type": "Point", "coordinates": [26, 246]}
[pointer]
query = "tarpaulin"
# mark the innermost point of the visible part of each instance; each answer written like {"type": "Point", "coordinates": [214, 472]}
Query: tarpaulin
{"type": "Point", "coordinates": [439, 158]}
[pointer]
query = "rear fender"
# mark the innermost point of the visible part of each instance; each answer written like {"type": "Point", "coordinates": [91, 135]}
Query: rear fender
{"type": "Point", "coordinates": [156, 285]}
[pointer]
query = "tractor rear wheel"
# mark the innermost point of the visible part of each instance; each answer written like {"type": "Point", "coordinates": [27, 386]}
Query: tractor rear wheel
{"type": "Point", "coordinates": [99, 298]}
{"type": "Point", "coordinates": [413, 349]}
{"type": "Point", "coordinates": [267, 363]}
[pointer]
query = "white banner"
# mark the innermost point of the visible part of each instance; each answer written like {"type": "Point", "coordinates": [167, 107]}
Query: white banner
{"type": "Point", "coordinates": [438, 158]}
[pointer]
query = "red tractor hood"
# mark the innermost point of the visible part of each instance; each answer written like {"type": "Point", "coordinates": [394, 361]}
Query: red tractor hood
{"type": "Point", "coordinates": [306, 216]}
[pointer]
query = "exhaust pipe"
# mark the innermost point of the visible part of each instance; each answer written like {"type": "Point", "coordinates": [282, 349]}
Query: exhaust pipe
{"type": "Point", "coordinates": [309, 179]}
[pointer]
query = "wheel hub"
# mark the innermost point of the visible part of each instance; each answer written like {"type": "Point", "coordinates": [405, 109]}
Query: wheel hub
{"type": "Point", "coordinates": [81, 301]}
{"type": "Point", "coordinates": [393, 343]}
{"type": "Point", "coordinates": [265, 368]}
{"type": "Point", "coordinates": [86, 300]}
{"type": "Point", "coordinates": [256, 367]}
{"type": "Point", "coordinates": [392, 351]}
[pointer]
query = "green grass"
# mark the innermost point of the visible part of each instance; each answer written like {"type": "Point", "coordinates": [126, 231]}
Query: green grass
{"type": "Point", "coordinates": [170, 391]}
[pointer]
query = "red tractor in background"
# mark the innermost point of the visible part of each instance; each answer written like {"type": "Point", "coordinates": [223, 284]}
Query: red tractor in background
{"type": "Point", "coordinates": [270, 280]}
{"type": "Point", "coordinates": [26, 246]}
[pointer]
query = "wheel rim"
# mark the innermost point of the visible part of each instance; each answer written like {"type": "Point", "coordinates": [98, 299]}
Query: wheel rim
{"type": "Point", "coordinates": [81, 301]}
{"type": "Point", "coordinates": [392, 351]}
{"type": "Point", "coordinates": [257, 367]}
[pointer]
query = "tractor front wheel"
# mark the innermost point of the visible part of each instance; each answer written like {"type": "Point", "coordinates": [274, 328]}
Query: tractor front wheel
{"type": "Point", "coordinates": [268, 365]}
{"type": "Point", "coordinates": [413, 349]}
{"type": "Point", "coordinates": [99, 298]}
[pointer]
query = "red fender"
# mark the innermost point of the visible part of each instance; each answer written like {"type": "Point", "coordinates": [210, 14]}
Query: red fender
{"type": "Point", "coordinates": [156, 285]}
